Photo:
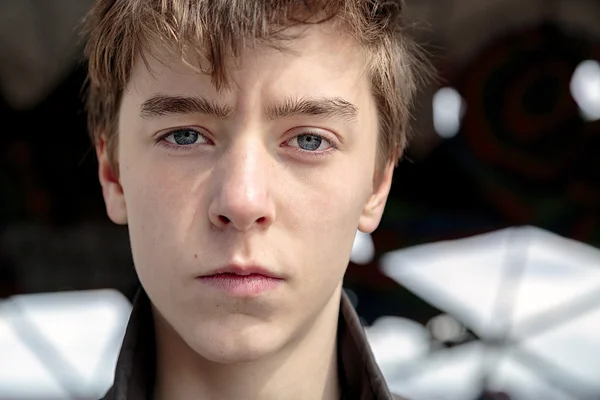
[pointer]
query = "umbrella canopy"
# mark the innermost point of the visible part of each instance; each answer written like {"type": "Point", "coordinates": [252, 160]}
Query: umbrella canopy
{"type": "Point", "coordinates": [531, 297]}
{"type": "Point", "coordinates": [60, 345]}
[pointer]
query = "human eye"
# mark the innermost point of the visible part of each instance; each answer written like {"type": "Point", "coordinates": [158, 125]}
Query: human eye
{"type": "Point", "coordinates": [311, 143]}
{"type": "Point", "coordinates": [182, 138]}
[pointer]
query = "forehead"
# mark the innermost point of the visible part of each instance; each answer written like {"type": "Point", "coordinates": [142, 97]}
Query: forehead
{"type": "Point", "coordinates": [318, 61]}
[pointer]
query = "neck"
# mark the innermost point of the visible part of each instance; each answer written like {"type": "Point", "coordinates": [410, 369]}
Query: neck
{"type": "Point", "coordinates": [306, 368]}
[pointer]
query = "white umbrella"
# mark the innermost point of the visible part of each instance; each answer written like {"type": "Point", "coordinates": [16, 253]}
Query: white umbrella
{"type": "Point", "coordinates": [60, 345]}
{"type": "Point", "coordinates": [532, 297]}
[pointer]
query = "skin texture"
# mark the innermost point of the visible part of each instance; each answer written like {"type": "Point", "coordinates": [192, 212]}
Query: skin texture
{"type": "Point", "coordinates": [246, 193]}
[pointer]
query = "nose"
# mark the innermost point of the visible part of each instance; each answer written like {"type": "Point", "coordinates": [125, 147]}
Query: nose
{"type": "Point", "coordinates": [243, 200]}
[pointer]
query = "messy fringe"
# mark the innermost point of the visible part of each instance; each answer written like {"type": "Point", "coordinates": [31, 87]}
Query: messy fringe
{"type": "Point", "coordinates": [208, 34]}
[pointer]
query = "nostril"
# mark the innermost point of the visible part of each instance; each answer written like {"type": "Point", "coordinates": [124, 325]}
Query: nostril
{"type": "Point", "coordinates": [223, 219]}
{"type": "Point", "coordinates": [261, 220]}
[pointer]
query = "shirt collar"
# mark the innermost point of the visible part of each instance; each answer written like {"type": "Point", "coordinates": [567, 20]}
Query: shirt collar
{"type": "Point", "coordinates": [360, 377]}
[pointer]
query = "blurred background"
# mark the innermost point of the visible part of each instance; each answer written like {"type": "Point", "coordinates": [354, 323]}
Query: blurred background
{"type": "Point", "coordinates": [483, 280]}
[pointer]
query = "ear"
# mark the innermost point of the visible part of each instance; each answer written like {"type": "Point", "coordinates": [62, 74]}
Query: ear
{"type": "Point", "coordinates": [373, 209]}
{"type": "Point", "coordinates": [111, 187]}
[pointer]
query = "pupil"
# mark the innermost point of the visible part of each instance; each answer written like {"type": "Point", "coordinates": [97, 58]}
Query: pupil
{"type": "Point", "coordinates": [185, 137]}
{"type": "Point", "coordinates": [309, 142]}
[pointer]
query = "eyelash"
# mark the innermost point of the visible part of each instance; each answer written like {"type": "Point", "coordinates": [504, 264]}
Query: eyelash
{"type": "Point", "coordinates": [316, 154]}
{"type": "Point", "coordinates": [160, 141]}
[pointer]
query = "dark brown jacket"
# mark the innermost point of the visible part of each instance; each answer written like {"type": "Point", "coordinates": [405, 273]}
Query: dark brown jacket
{"type": "Point", "coordinates": [360, 377]}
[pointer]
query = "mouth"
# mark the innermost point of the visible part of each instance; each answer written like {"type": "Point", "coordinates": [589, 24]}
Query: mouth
{"type": "Point", "coordinates": [242, 280]}
{"type": "Point", "coordinates": [238, 270]}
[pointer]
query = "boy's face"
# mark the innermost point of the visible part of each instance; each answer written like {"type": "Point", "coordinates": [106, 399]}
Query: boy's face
{"type": "Point", "coordinates": [276, 171]}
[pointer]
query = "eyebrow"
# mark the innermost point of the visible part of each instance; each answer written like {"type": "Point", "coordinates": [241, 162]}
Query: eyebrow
{"type": "Point", "coordinates": [160, 105]}
{"type": "Point", "coordinates": [335, 107]}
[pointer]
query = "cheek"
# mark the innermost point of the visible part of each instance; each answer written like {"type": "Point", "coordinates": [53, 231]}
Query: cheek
{"type": "Point", "coordinates": [158, 213]}
{"type": "Point", "coordinates": [327, 213]}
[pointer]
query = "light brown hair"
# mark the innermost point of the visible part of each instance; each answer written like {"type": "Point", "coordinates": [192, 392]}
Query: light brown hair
{"type": "Point", "coordinates": [117, 31]}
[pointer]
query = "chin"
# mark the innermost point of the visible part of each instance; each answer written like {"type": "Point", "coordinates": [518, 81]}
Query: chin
{"type": "Point", "coordinates": [236, 343]}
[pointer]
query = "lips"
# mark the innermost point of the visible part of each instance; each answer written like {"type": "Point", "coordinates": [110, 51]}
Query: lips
{"type": "Point", "coordinates": [241, 280]}
{"type": "Point", "coordinates": [243, 270]}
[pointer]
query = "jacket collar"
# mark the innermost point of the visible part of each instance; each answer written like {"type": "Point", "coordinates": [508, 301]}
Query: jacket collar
{"type": "Point", "coordinates": [360, 377]}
